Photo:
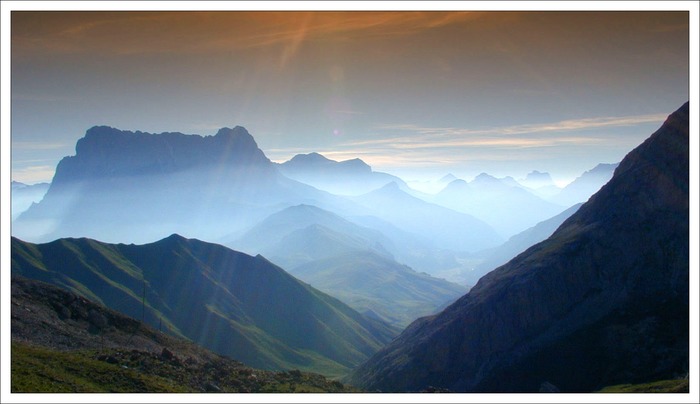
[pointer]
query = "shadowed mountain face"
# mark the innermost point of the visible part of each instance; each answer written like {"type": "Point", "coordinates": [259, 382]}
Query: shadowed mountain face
{"type": "Point", "coordinates": [135, 186]}
{"type": "Point", "coordinates": [603, 301]}
{"type": "Point", "coordinates": [517, 244]}
{"type": "Point", "coordinates": [232, 303]}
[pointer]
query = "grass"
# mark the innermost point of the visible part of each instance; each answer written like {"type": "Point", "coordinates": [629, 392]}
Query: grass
{"type": "Point", "coordinates": [40, 370]}
{"type": "Point", "coordinates": [662, 386]}
{"type": "Point", "coordinates": [37, 369]}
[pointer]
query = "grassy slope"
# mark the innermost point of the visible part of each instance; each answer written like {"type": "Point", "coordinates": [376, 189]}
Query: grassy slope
{"type": "Point", "coordinates": [661, 386]}
{"type": "Point", "coordinates": [180, 280]}
{"type": "Point", "coordinates": [64, 343]}
{"type": "Point", "coordinates": [369, 282]}
{"type": "Point", "coordinates": [36, 369]}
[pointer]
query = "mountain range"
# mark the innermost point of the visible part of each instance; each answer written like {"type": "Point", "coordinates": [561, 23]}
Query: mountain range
{"type": "Point", "coordinates": [241, 306]}
{"type": "Point", "coordinates": [445, 227]}
{"type": "Point", "coordinates": [349, 262]}
{"type": "Point", "coordinates": [124, 186]}
{"type": "Point", "coordinates": [506, 207]}
{"type": "Point", "coordinates": [604, 300]}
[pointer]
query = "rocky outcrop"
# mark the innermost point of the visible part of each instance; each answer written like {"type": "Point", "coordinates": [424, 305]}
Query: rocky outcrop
{"type": "Point", "coordinates": [603, 301]}
{"type": "Point", "coordinates": [106, 152]}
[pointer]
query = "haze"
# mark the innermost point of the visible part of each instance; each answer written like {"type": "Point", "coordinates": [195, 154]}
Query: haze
{"type": "Point", "coordinates": [414, 94]}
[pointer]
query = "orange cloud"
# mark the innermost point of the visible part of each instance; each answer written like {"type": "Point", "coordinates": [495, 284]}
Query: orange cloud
{"type": "Point", "coordinates": [128, 32]}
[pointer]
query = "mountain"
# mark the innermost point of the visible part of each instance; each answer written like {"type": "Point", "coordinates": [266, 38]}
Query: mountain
{"type": "Point", "coordinates": [446, 179]}
{"type": "Point", "coordinates": [232, 303]}
{"type": "Point", "coordinates": [317, 242]}
{"type": "Point", "coordinates": [23, 196]}
{"type": "Point", "coordinates": [303, 233]}
{"type": "Point", "coordinates": [445, 227]}
{"type": "Point", "coordinates": [64, 343]}
{"type": "Point", "coordinates": [135, 187]}
{"type": "Point", "coordinates": [536, 179]}
{"type": "Point", "coordinates": [412, 249]}
{"type": "Point", "coordinates": [579, 190]}
{"type": "Point", "coordinates": [540, 184]}
{"type": "Point", "coordinates": [520, 242]}
{"type": "Point", "coordinates": [603, 301]}
{"type": "Point", "coordinates": [378, 286]}
{"type": "Point", "coordinates": [349, 177]}
{"type": "Point", "coordinates": [506, 208]}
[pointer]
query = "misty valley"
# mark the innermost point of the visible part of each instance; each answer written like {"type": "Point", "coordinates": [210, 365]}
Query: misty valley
{"type": "Point", "coordinates": [185, 263]}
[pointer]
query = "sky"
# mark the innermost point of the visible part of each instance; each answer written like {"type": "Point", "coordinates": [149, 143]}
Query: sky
{"type": "Point", "coordinates": [415, 94]}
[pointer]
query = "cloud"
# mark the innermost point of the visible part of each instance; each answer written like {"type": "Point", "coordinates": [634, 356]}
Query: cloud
{"type": "Point", "coordinates": [541, 128]}
{"type": "Point", "coordinates": [26, 145]}
{"type": "Point", "coordinates": [422, 146]}
{"type": "Point", "coordinates": [122, 33]}
{"type": "Point", "coordinates": [34, 174]}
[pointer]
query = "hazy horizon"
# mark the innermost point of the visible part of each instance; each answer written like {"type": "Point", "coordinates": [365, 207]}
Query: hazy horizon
{"type": "Point", "coordinates": [414, 94]}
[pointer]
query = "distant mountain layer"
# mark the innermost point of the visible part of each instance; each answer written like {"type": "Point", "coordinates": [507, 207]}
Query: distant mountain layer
{"type": "Point", "coordinates": [235, 304]}
{"type": "Point", "coordinates": [349, 177]}
{"type": "Point", "coordinates": [506, 207]}
{"type": "Point", "coordinates": [23, 196]}
{"type": "Point", "coordinates": [303, 233]}
{"type": "Point", "coordinates": [445, 227]}
{"type": "Point", "coordinates": [586, 185]}
{"type": "Point", "coordinates": [603, 301]}
{"type": "Point", "coordinates": [378, 286]}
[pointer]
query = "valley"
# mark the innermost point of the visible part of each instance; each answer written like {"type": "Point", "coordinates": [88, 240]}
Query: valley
{"type": "Point", "coordinates": [333, 284]}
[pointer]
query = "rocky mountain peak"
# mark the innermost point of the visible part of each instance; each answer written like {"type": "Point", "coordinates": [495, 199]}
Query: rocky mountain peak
{"type": "Point", "coordinates": [106, 152]}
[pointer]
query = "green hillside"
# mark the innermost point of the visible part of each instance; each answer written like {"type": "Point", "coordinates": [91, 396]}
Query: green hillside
{"type": "Point", "coordinates": [64, 343]}
{"type": "Point", "coordinates": [379, 286]}
{"type": "Point", "coordinates": [237, 305]}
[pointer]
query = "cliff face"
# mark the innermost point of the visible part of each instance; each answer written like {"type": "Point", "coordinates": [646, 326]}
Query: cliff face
{"type": "Point", "coordinates": [106, 152]}
{"type": "Point", "coordinates": [603, 301]}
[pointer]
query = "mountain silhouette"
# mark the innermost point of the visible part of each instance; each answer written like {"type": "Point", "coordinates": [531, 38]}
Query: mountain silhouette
{"type": "Point", "coordinates": [349, 177]}
{"type": "Point", "coordinates": [603, 301]}
{"type": "Point", "coordinates": [580, 189]}
{"type": "Point", "coordinates": [241, 306]}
